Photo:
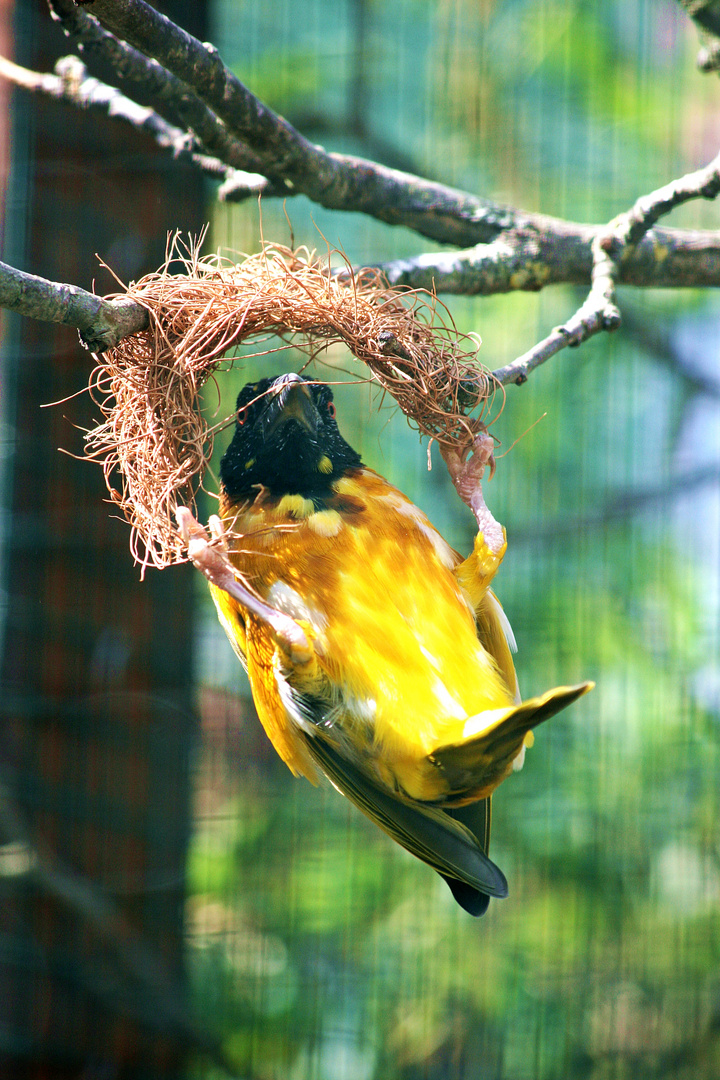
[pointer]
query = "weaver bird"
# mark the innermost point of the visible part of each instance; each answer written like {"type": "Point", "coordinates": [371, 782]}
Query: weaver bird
{"type": "Point", "coordinates": [376, 654]}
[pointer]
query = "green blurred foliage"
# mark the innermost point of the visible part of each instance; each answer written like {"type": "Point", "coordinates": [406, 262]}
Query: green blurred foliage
{"type": "Point", "coordinates": [317, 948]}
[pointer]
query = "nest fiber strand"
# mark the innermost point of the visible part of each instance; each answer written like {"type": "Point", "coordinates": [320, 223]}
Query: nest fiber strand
{"type": "Point", "coordinates": [154, 440]}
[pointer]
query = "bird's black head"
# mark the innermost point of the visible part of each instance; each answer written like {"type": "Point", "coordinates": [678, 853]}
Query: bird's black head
{"type": "Point", "coordinates": [286, 439]}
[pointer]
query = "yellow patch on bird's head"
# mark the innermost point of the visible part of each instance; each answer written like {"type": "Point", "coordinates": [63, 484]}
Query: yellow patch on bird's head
{"type": "Point", "coordinates": [249, 464]}
{"type": "Point", "coordinates": [325, 465]}
{"type": "Point", "coordinates": [294, 506]}
{"type": "Point", "coordinates": [325, 522]}
{"type": "Point", "coordinates": [347, 485]}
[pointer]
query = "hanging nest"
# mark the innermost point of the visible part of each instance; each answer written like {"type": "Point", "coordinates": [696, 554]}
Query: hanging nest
{"type": "Point", "coordinates": [154, 439]}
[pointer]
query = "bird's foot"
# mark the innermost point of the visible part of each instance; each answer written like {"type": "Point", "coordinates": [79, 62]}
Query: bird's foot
{"type": "Point", "coordinates": [207, 550]}
{"type": "Point", "coordinates": [466, 472]}
{"type": "Point", "coordinates": [467, 468]}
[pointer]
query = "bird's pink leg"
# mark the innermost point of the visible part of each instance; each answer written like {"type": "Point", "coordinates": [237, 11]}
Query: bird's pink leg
{"type": "Point", "coordinates": [209, 554]}
{"type": "Point", "coordinates": [466, 473]}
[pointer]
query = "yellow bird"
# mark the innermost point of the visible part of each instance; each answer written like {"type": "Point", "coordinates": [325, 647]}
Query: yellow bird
{"type": "Point", "coordinates": [376, 655]}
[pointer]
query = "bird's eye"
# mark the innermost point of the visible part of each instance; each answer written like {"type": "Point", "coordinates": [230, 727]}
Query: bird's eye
{"type": "Point", "coordinates": [331, 410]}
{"type": "Point", "coordinates": [242, 415]}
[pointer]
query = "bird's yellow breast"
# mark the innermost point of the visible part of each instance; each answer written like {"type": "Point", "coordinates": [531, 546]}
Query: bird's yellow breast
{"type": "Point", "coordinates": [394, 632]}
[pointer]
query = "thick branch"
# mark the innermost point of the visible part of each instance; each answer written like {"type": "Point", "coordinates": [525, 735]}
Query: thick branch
{"type": "Point", "coordinates": [102, 323]}
{"type": "Point", "coordinates": [528, 260]}
{"type": "Point", "coordinates": [336, 181]}
{"type": "Point", "coordinates": [172, 98]}
{"type": "Point", "coordinates": [515, 250]}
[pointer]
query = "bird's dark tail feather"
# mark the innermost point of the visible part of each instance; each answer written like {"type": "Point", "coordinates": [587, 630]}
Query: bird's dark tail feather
{"type": "Point", "coordinates": [440, 838]}
{"type": "Point", "coordinates": [476, 817]}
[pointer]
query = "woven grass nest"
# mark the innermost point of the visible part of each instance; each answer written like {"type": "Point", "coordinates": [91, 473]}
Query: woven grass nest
{"type": "Point", "coordinates": [154, 442]}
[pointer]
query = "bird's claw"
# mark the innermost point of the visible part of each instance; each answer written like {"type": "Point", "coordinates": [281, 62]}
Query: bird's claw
{"type": "Point", "coordinates": [188, 525]}
{"type": "Point", "coordinates": [466, 472]}
{"type": "Point", "coordinates": [467, 468]}
{"type": "Point", "coordinates": [207, 550]}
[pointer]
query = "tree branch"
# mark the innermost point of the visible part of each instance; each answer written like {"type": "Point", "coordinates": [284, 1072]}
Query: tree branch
{"type": "Point", "coordinates": [611, 247]}
{"type": "Point", "coordinates": [172, 98]}
{"type": "Point", "coordinates": [528, 260]}
{"type": "Point", "coordinates": [343, 182]}
{"type": "Point", "coordinates": [514, 250]}
{"type": "Point", "coordinates": [102, 323]}
{"type": "Point", "coordinates": [72, 84]}
{"type": "Point", "coordinates": [290, 161]}
{"type": "Point", "coordinates": [525, 260]}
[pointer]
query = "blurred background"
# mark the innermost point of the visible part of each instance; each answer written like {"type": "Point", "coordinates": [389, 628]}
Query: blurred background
{"type": "Point", "coordinates": [171, 899]}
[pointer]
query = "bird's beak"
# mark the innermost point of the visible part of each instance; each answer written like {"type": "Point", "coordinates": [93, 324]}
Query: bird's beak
{"type": "Point", "coordinates": [289, 399]}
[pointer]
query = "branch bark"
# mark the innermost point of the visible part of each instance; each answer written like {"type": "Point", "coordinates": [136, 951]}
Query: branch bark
{"type": "Point", "coordinates": [173, 99]}
{"type": "Point", "coordinates": [524, 259]}
{"type": "Point", "coordinates": [290, 161]}
{"type": "Point", "coordinates": [521, 259]}
{"type": "Point", "coordinates": [102, 323]}
{"type": "Point", "coordinates": [71, 84]}
{"type": "Point", "coordinates": [611, 247]}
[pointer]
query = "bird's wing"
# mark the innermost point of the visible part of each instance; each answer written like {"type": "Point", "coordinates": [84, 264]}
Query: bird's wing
{"type": "Point", "coordinates": [495, 635]}
{"type": "Point", "coordinates": [476, 817]}
{"type": "Point", "coordinates": [432, 835]}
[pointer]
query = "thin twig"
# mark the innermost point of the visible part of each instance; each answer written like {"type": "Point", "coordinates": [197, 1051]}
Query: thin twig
{"type": "Point", "coordinates": [71, 84]}
{"type": "Point", "coordinates": [629, 228]}
{"type": "Point", "coordinates": [611, 247]}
